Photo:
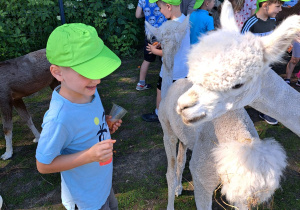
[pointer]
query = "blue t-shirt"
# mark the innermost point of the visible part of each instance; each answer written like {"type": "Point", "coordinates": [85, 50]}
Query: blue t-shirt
{"type": "Point", "coordinates": [152, 13]}
{"type": "Point", "coordinates": [70, 128]}
{"type": "Point", "coordinates": [201, 23]}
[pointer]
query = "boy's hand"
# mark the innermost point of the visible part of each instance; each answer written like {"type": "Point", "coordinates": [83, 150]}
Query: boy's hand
{"type": "Point", "coordinates": [102, 151]}
{"type": "Point", "coordinates": [113, 126]}
{"type": "Point", "coordinates": [152, 49]}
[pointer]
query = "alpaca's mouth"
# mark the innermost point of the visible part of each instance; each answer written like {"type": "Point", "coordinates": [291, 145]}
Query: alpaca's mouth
{"type": "Point", "coordinates": [193, 119]}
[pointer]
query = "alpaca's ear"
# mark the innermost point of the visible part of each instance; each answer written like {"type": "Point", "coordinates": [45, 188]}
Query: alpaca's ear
{"type": "Point", "coordinates": [182, 28]}
{"type": "Point", "coordinates": [227, 18]}
{"type": "Point", "coordinates": [152, 31]}
{"type": "Point", "coordinates": [279, 40]}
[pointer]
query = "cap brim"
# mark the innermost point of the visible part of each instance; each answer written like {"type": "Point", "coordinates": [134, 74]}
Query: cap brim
{"type": "Point", "coordinates": [198, 4]}
{"type": "Point", "coordinates": [152, 1]}
{"type": "Point", "coordinates": [100, 66]}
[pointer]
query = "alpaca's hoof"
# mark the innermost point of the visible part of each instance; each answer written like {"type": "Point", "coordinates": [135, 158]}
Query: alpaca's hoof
{"type": "Point", "coordinates": [6, 155]}
{"type": "Point", "coordinates": [178, 190]}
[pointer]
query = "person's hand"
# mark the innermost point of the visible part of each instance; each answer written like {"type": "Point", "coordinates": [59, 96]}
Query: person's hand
{"type": "Point", "coordinates": [150, 48]}
{"type": "Point", "coordinates": [102, 151]}
{"type": "Point", "coordinates": [113, 126]}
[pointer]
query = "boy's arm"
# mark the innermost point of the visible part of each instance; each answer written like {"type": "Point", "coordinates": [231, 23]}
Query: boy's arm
{"type": "Point", "coordinates": [100, 152]}
{"type": "Point", "coordinates": [139, 12]}
{"type": "Point", "coordinates": [210, 25]}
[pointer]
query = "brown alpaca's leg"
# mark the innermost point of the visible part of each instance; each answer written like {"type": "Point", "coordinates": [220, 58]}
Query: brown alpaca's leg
{"type": "Point", "coordinates": [22, 111]}
{"type": "Point", "coordinates": [6, 113]}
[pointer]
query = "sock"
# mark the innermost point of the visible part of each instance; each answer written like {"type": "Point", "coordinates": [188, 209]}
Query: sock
{"type": "Point", "coordinates": [156, 112]}
{"type": "Point", "coordinates": [142, 82]}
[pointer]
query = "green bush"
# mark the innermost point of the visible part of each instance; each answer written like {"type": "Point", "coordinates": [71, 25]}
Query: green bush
{"type": "Point", "coordinates": [25, 25]}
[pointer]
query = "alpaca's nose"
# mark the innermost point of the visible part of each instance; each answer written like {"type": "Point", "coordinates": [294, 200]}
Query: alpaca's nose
{"type": "Point", "coordinates": [187, 100]}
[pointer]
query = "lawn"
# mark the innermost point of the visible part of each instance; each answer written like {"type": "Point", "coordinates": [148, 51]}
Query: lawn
{"type": "Point", "coordinates": [139, 159]}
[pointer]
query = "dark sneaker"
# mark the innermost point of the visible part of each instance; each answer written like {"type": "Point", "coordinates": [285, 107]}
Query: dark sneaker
{"type": "Point", "coordinates": [151, 117]}
{"type": "Point", "coordinates": [288, 81]}
{"type": "Point", "coordinates": [142, 87]}
{"type": "Point", "coordinates": [268, 119]}
{"type": "Point", "coordinates": [298, 83]}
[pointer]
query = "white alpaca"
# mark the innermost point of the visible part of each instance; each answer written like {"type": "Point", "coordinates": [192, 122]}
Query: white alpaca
{"type": "Point", "coordinates": [228, 71]}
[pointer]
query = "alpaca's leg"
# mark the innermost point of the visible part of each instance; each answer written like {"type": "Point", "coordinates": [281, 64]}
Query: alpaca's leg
{"type": "Point", "coordinates": [204, 176]}
{"type": "Point", "coordinates": [170, 141]}
{"type": "Point", "coordinates": [181, 159]}
{"type": "Point", "coordinates": [6, 113]}
{"type": "Point", "coordinates": [22, 111]}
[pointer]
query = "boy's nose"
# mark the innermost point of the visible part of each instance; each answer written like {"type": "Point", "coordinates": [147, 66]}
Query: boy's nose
{"type": "Point", "coordinates": [97, 81]}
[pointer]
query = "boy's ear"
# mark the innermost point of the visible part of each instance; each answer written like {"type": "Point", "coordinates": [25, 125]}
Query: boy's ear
{"type": "Point", "coordinates": [169, 6]}
{"type": "Point", "coordinates": [56, 72]}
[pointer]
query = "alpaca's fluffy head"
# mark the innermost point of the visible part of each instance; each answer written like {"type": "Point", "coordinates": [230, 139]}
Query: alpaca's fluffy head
{"type": "Point", "coordinates": [226, 67]}
{"type": "Point", "coordinates": [224, 59]}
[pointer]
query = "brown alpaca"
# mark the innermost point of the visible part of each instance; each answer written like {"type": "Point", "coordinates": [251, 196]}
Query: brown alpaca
{"type": "Point", "coordinates": [22, 77]}
{"type": "Point", "coordinates": [287, 11]}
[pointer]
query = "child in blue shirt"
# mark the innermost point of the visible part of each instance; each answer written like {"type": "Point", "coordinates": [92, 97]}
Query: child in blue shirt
{"type": "Point", "coordinates": [75, 135]}
{"type": "Point", "coordinates": [201, 21]}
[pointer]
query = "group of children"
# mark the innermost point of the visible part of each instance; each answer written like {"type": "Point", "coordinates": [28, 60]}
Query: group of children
{"type": "Point", "coordinates": [76, 136]}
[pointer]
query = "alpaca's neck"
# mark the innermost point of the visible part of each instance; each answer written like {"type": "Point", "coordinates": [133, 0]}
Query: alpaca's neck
{"type": "Point", "coordinates": [279, 100]}
{"type": "Point", "coordinates": [167, 74]}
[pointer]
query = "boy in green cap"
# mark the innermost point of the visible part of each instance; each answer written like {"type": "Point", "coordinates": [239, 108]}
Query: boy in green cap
{"type": "Point", "coordinates": [201, 21]}
{"type": "Point", "coordinates": [261, 24]}
{"type": "Point", "coordinates": [75, 135]}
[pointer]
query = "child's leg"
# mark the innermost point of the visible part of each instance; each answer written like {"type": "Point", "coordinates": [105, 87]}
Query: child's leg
{"type": "Point", "coordinates": [148, 58]}
{"type": "Point", "coordinates": [290, 67]}
{"type": "Point", "coordinates": [111, 202]}
{"type": "Point", "coordinates": [143, 71]}
{"type": "Point", "coordinates": [294, 60]}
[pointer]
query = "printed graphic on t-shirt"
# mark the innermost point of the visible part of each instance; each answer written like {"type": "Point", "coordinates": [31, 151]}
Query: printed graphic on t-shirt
{"type": "Point", "coordinates": [152, 13]}
{"type": "Point", "coordinates": [102, 126]}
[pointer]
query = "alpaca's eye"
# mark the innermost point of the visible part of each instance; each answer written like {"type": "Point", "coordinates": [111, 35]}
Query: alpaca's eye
{"type": "Point", "coordinates": [237, 86]}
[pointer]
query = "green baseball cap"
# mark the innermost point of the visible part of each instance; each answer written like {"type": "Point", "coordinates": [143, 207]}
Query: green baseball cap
{"type": "Point", "coordinates": [172, 2]}
{"type": "Point", "coordinates": [79, 47]}
{"type": "Point", "coordinates": [260, 1]}
{"type": "Point", "coordinates": [198, 4]}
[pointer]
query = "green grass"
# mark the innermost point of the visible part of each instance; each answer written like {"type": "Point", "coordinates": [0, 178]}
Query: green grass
{"type": "Point", "coordinates": [140, 163]}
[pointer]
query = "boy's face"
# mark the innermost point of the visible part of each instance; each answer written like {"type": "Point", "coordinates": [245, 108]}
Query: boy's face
{"type": "Point", "coordinates": [74, 87]}
{"type": "Point", "coordinates": [210, 4]}
{"type": "Point", "coordinates": [273, 9]}
{"type": "Point", "coordinates": [165, 9]}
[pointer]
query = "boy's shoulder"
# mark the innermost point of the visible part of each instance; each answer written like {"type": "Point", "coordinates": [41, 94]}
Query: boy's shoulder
{"type": "Point", "coordinates": [259, 27]}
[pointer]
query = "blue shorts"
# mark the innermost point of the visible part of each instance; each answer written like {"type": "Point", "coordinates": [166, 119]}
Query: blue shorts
{"type": "Point", "coordinates": [296, 50]}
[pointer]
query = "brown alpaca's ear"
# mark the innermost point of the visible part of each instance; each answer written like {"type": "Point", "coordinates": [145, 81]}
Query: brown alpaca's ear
{"type": "Point", "coordinates": [56, 72]}
{"type": "Point", "coordinates": [279, 40]}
